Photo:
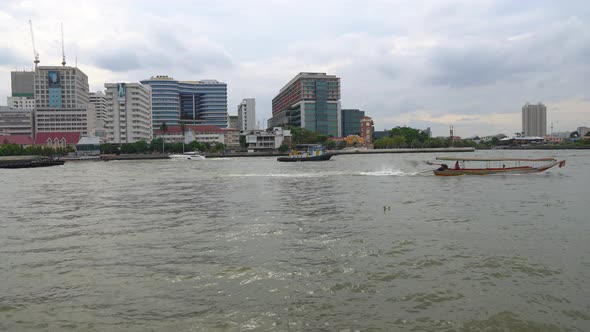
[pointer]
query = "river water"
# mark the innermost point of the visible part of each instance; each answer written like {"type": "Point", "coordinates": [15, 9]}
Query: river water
{"type": "Point", "coordinates": [359, 243]}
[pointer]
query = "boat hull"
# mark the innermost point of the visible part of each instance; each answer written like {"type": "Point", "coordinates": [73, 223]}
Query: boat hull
{"type": "Point", "coordinates": [492, 171]}
{"type": "Point", "coordinates": [323, 157]}
{"type": "Point", "coordinates": [187, 157]}
{"type": "Point", "coordinates": [33, 164]}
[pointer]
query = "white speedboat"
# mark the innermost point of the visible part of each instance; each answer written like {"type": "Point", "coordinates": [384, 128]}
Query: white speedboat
{"type": "Point", "coordinates": [188, 156]}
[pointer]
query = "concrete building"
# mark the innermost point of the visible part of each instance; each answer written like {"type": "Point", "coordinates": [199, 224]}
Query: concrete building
{"type": "Point", "coordinates": [199, 133]}
{"type": "Point", "coordinates": [231, 137]}
{"type": "Point", "coordinates": [98, 113]}
{"type": "Point", "coordinates": [534, 120]}
{"type": "Point", "coordinates": [16, 122]}
{"type": "Point", "coordinates": [233, 121]}
{"type": "Point", "coordinates": [262, 140]}
{"type": "Point", "coordinates": [351, 121]}
{"type": "Point", "coordinates": [128, 113]}
{"type": "Point", "coordinates": [201, 102]}
{"type": "Point", "coordinates": [247, 115]}
{"type": "Point", "coordinates": [367, 129]}
{"type": "Point", "coordinates": [99, 100]}
{"type": "Point", "coordinates": [310, 101]}
{"type": "Point", "coordinates": [61, 100]}
{"type": "Point", "coordinates": [21, 103]}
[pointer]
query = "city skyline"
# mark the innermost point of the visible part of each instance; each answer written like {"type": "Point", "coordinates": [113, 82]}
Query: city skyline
{"type": "Point", "coordinates": [472, 65]}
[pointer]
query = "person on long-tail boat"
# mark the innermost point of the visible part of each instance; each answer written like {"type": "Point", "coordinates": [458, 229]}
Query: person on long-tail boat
{"type": "Point", "coordinates": [457, 165]}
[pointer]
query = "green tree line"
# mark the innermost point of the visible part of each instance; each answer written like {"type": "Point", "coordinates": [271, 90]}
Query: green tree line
{"type": "Point", "coordinates": [19, 150]}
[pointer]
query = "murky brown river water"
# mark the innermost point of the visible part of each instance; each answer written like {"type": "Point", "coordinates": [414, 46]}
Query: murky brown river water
{"type": "Point", "coordinates": [361, 243]}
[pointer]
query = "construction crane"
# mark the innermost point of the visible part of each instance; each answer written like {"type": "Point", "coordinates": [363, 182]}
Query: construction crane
{"type": "Point", "coordinates": [34, 48]}
{"type": "Point", "coordinates": [63, 51]}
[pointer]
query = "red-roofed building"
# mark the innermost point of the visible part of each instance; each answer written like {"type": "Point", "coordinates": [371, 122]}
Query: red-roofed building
{"type": "Point", "coordinates": [24, 140]}
{"type": "Point", "coordinates": [57, 139]}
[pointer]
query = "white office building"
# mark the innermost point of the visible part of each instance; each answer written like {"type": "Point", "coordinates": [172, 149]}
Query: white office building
{"type": "Point", "coordinates": [99, 100]}
{"type": "Point", "coordinates": [247, 115]}
{"type": "Point", "coordinates": [128, 112]}
{"type": "Point", "coordinates": [534, 120]}
{"type": "Point", "coordinates": [262, 140]}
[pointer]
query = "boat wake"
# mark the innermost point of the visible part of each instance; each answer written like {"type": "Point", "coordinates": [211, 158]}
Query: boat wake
{"type": "Point", "coordinates": [389, 172]}
{"type": "Point", "coordinates": [386, 172]}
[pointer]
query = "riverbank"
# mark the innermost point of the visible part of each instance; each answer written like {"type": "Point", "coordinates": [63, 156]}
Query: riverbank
{"type": "Point", "coordinates": [109, 157]}
{"type": "Point", "coordinates": [279, 154]}
{"type": "Point", "coordinates": [545, 147]}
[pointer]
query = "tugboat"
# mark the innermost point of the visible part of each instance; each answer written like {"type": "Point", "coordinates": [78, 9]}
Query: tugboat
{"type": "Point", "coordinates": [309, 152]}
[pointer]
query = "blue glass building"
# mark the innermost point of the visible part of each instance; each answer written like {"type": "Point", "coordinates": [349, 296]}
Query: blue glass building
{"type": "Point", "coordinates": [191, 102]}
{"type": "Point", "coordinates": [351, 121]}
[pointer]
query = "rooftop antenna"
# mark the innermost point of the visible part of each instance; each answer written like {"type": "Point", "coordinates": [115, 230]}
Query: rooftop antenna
{"type": "Point", "coordinates": [63, 51]}
{"type": "Point", "coordinates": [35, 54]}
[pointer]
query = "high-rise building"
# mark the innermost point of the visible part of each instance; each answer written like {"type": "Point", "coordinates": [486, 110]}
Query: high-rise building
{"type": "Point", "coordinates": [192, 102]}
{"type": "Point", "coordinates": [22, 83]}
{"type": "Point", "coordinates": [247, 114]}
{"type": "Point", "coordinates": [310, 101]}
{"type": "Point", "coordinates": [99, 100]}
{"type": "Point", "coordinates": [534, 120]}
{"type": "Point", "coordinates": [23, 93]}
{"type": "Point", "coordinates": [128, 112]}
{"type": "Point", "coordinates": [61, 100]}
{"type": "Point", "coordinates": [351, 121]}
{"type": "Point", "coordinates": [367, 129]}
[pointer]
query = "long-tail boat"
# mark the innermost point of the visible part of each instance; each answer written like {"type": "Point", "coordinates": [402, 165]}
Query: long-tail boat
{"type": "Point", "coordinates": [495, 166]}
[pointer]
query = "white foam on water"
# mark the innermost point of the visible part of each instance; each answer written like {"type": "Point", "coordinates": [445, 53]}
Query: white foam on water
{"type": "Point", "coordinates": [388, 172]}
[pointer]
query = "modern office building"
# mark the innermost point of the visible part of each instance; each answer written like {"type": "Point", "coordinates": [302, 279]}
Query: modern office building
{"type": "Point", "coordinates": [310, 101]}
{"type": "Point", "coordinates": [367, 129]}
{"type": "Point", "coordinates": [165, 101]}
{"type": "Point", "coordinates": [351, 121]}
{"type": "Point", "coordinates": [534, 120]}
{"type": "Point", "coordinates": [16, 122]}
{"type": "Point", "coordinates": [22, 84]}
{"type": "Point", "coordinates": [247, 114]}
{"type": "Point", "coordinates": [61, 100]}
{"type": "Point", "coordinates": [128, 112]}
{"type": "Point", "coordinates": [192, 102]}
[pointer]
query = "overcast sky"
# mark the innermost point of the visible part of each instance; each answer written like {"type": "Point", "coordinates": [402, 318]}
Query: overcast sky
{"type": "Point", "coordinates": [472, 64]}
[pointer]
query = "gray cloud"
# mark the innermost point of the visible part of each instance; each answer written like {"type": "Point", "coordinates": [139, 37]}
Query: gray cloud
{"type": "Point", "coordinates": [121, 61]}
{"type": "Point", "coordinates": [10, 58]}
